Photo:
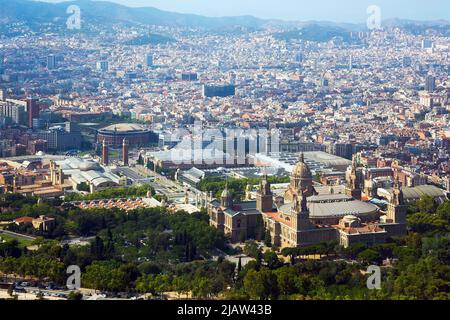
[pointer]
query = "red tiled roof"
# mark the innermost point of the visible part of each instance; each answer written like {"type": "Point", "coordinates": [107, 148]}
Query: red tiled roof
{"type": "Point", "coordinates": [23, 220]}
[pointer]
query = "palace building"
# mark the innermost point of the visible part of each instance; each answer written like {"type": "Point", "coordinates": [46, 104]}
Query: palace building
{"type": "Point", "coordinates": [303, 217]}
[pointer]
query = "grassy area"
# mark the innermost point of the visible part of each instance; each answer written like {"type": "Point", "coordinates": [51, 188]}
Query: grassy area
{"type": "Point", "coordinates": [22, 242]}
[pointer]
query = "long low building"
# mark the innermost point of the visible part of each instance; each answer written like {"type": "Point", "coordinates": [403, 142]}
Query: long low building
{"type": "Point", "coordinates": [123, 204]}
{"type": "Point", "coordinates": [412, 194]}
{"type": "Point", "coordinates": [318, 161]}
{"type": "Point", "coordinates": [87, 173]}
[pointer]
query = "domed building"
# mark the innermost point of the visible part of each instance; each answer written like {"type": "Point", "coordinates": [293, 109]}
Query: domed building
{"type": "Point", "coordinates": [301, 181]}
{"type": "Point", "coordinates": [226, 198]}
{"type": "Point", "coordinates": [303, 217]}
{"type": "Point", "coordinates": [135, 134]}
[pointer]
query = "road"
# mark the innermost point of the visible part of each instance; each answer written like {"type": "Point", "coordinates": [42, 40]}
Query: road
{"type": "Point", "coordinates": [17, 235]}
{"type": "Point", "coordinates": [135, 175]}
{"type": "Point", "coordinates": [161, 184]}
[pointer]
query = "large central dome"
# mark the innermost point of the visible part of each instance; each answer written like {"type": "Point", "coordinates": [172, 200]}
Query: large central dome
{"type": "Point", "coordinates": [301, 169]}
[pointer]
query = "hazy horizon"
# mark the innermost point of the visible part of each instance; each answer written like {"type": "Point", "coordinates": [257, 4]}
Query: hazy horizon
{"type": "Point", "coordinates": [352, 11]}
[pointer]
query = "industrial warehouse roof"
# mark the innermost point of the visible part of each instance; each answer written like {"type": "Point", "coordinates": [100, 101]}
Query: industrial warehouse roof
{"type": "Point", "coordinates": [419, 191]}
{"type": "Point", "coordinates": [195, 173]}
{"type": "Point", "coordinates": [179, 155]}
{"type": "Point", "coordinates": [326, 158]}
{"type": "Point", "coordinates": [87, 170]}
{"type": "Point", "coordinates": [316, 160]}
{"type": "Point", "coordinates": [79, 164]}
{"type": "Point", "coordinates": [411, 194]}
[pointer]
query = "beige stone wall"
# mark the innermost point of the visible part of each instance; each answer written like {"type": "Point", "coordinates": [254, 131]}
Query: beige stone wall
{"type": "Point", "coordinates": [310, 237]}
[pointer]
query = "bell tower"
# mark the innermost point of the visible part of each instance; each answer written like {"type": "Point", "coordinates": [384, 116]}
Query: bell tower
{"type": "Point", "coordinates": [300, 213]}
{"type": "Point", "coordinates": [226, 199]}
{"type": "Point", "coordinates": [353, 188]}
{"type": "Point", "coordinates": [397, 209]}
{"type": "Point", "coordinates": [264, 196]}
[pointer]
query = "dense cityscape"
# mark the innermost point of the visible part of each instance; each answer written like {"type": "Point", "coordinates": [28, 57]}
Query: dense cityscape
{"type": "Point", "coordinates": [163, 157]}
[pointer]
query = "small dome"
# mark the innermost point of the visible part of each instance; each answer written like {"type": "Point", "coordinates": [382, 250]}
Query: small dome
{"type": "Point", "coordinates": [350, 217]}
{"type": "Point", "coordinates": [351, 221]}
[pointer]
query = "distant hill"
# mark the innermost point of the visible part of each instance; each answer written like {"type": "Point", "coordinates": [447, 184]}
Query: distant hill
{"type": "Point", "coordinates": [43, 16]}
{"type": "Point", "coordinates": [316, 33]}
{"type": "Point", "coordinates": [33, 12]}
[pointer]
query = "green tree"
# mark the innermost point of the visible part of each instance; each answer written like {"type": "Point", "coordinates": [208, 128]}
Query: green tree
{"type": "Point", "coordinates": [267, 239]}
{"type": "Point", "coordinates": [202, 287]}
{"type": "Point", "coordinates": [426, 204]}
{"type": "Point", "coordinates": [271, 260]}
{"type": "Point", "coordinates": [286, 280]}
{"type": "Point", "coordinates": [425, 222]}
{"type": "Point", "coordinates": [369, 256]}
{"type": "Point", "coordinates": [105, 276]}
{"type": "Point", "coordinates": [181, 285]}
{"type": "Point", "coordinates": [426, 279]}
{"type": "Point", "coordinates": [98, 248]}
{"type": "Point", "coordinates": [252, 249]}
{"type": "Point", "coordinates": [443, 211]}
{"type": "Point", "coordinates": [261, 285]}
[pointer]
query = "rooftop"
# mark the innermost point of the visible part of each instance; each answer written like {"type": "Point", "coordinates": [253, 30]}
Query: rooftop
{"type": "Point", "coordinates": [124, 127]}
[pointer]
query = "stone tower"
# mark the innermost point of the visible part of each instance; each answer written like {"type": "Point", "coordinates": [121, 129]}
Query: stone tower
{"type": "Point", "coordinates": [353, 188]}
{"type": "Point", "coordinates": [300, 213]}
{"type": "Point", "coordinates": [264, 196]}
{"type": "Point", "coordinates": [248, 192]}
{"type": "Point", "coordinates": [186, 197]}
{"type": "Point", "coordinates": [226, 199]}
{"type": "Point", "coordinates": [105, 153]}
{"type": "Point", "coordinates": [125, 156]}
{"type": "Point", "coordinates": [396, 212]}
